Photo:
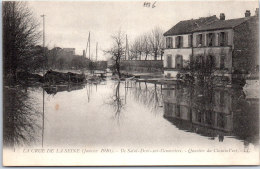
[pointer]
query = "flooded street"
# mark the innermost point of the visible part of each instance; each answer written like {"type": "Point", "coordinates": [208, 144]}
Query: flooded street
{"type": "Point", "coordinates": [130, 114]}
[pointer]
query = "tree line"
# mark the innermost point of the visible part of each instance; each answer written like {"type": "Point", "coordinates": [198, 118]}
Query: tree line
{"type": "Point", "coordinates": [148, 44]}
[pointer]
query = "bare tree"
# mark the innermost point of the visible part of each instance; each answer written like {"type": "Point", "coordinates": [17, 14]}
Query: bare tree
{"type": "Point", "coordinates": [136, 49]}
{"type": "Point", "coordinates": [20, 35]}
{"type": "Point", "coordinates": [132, 52]}
{"type": "Point", "coordinates": [117, 51]}
{"type": "Point", "coordinates": [140, 46]}
{"type": "Point", "coordinates": [156, 41]}
{"type": "Point", "coordinates": [148, 44]}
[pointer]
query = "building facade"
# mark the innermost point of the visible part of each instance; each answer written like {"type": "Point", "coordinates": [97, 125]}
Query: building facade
{"type": "Point", "coordinates": [224, 47]}
{"type": "Point", "coordinates": [178, 50]}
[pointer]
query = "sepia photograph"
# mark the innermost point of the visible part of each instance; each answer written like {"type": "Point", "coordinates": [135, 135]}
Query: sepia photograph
{"type": "Point", "coordinates": [130, 83]}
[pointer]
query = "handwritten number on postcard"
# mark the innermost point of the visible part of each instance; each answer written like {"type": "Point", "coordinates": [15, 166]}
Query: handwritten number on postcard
{"type": "Point", "coordinates": [148, 4]}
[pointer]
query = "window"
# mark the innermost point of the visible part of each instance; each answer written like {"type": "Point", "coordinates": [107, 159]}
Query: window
{"type": "Point", "coordinates": [199, 40]}
{"type": "Point", "coordinates": [220, 120]}
{"type": "Point", "coordinates": [169, 42]}
{"type": "Point", "coordinates": [178, 62]}
{"type": "Point", "coordinates": [178, 110]}
{"type": "Point", "coordinates": [168, 93]}
{"type": "Point", "coordinates": [209, 117]}
{"type": "Point", "coordinates": [223, 38]}
{"type": "Point", "coordinates": [222, 61]}
{"type": "Point", "coordinates": [168, 75]}
{"type": "Point", "coordinates": [178, 41]}
{"type": "Point", "coordinates": [169, 61]}
{"type": "Point", "coordinates": [210, 62]}
{"type": "Point", "coordinates": [221, 98]}
{"type": "Point", "coordinates": [190, 40]}
{"type": "Point", "coordinates": [210, 39]}
{"type": "Point", "coordinates": [199, 116]}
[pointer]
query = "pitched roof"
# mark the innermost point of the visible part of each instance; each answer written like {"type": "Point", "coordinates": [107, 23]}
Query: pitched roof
{"type": "Point", "coordinates": [187, 26]}
{"type": "Point", "coordinates": [223, 24]}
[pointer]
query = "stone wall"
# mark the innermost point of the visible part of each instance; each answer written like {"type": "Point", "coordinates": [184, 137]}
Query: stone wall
{"type": "Point", "coordinates": [142, 66]}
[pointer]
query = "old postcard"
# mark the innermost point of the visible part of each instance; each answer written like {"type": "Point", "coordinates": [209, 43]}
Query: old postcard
{"type": "Point", "coordinates": [130, 83]}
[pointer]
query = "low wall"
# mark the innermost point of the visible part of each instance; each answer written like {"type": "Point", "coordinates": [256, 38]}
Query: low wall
{"type": "Point", "coordinates": [142, 66]}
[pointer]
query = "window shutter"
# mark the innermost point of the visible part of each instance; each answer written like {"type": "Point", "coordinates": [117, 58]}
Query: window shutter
{"type": "Point", "coordinates": [218, 43]}
{"type": "Point", "coordinates": [181, 41]}
{"type": "Point", "coordinates": [189, 40]}
{"type": "Point", "coordinates": [197, 40]}
{"type": "Point", "coordinates": [213, 39]}
{"type": "Point", "coordinates": [207, 39]}
{"type": "Point", "coordinates": [226, 38]}
{"type": "Point", "coordinates": [176, 42]}
{"type": "Point", "coordinates": [203, 40]}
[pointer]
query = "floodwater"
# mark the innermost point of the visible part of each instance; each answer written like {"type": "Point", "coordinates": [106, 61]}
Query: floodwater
{"type": "Point", "coordinates": [130, 114]}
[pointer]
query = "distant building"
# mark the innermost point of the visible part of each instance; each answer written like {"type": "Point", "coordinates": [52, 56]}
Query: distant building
{"type": "Point", "coordinates": [69, 50]}
{"type": "Point", "coordinates": [229, 46]}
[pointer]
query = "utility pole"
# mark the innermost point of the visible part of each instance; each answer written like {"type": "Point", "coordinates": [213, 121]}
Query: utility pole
{"type": "Point", "coordinates": [43, 19]}
{"type": "Point", "coordinates": [96, 51]}
{"type": "Point", "coordinates": [43, 46]}
{"type": "Point", "coordinates": [89, 45]}
{"type": "Point", "coordinates": [126, 47]}
{"type": "Point", "coordinates": [87, 48]}
{"type": "Point", "coordinates": [43, 37]}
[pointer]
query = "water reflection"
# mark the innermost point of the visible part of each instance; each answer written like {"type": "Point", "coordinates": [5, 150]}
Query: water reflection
{"type": "Point", "coordinates": [116, 100]}
{"type": "Point", "coordinates": [20, 117]}
{"type": "Point", "coordinates": [81, 116]}
{"type": "Point", "coordinates": [148, 94]}
{"type": "Point", "coordinates": [54, 89]}
{"type": "Point", "coordinates": [212, 112]}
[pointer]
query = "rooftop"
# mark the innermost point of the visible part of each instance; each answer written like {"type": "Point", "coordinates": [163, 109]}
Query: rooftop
{"type": "Point", "coordinates": [188, 26]}
{"type": "Point", "coordinates": [223, 24]}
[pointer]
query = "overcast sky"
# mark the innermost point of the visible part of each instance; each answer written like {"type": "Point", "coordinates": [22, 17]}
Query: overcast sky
{"type": "Point", "coordinates": [68, 23]}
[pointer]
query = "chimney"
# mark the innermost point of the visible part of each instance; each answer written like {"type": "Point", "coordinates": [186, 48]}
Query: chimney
{"type": "Point", "coordinates": [257, 12]}
{"type": "Point", "coordinates": [222, 16]}
{"type": "Point", "coordinates": [247, 13]}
